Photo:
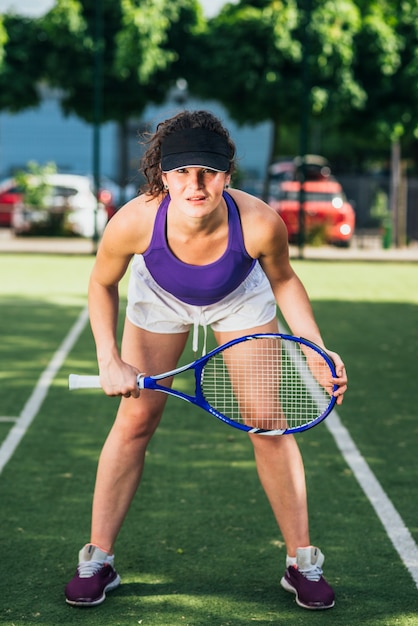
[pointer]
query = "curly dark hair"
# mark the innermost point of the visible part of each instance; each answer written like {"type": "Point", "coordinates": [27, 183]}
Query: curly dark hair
{"type": "Point", "coordinates": [151, 160]}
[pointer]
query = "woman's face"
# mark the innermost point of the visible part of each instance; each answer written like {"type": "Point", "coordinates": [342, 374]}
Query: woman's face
{"type": "Point", "coordinates": [196, 189]}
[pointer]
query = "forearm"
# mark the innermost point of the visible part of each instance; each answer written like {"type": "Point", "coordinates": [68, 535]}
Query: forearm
{"type": "Point", "coordinates": [296, 309]}
{"type": "Point", "coordinates": [103, 310]}
{"type": "Point", "coordinates": [294, 305]}
{"type": "Point", "coordinates": [116, 377]}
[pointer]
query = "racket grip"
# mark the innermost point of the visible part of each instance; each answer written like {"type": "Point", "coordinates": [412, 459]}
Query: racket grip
{"type": "Point", "coordinates": [83, 382]}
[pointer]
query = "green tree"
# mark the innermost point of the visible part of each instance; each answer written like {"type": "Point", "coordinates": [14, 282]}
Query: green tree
{"type": "Point", "coordinates": [131, 40]}
{"type": "Point", "coordinates": [21, 62]}
{"type": "Point", "coordinates": [3, 40]}
{"type": "Point", "coordinates": [268, 59]}
{"type": "Point", "coordinates": [34, 185]}
{"type": "Point", "coordinates": [386, 65]}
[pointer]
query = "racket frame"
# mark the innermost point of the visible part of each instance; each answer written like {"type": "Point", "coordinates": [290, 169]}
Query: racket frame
{"type": "Point", "coordinates": [151, 382]}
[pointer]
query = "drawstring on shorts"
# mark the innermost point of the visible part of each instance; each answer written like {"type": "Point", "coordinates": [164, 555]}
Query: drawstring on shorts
{"type": "Point", "coordinates": [199, 320]}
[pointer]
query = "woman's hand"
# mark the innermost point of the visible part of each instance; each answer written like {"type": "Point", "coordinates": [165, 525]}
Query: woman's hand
{"type": "Point", "coordinates": [120, 379]}
{"type": "Point", "coordinates": [341, 379]}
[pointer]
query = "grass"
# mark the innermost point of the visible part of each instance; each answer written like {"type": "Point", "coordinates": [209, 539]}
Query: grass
{"type": "Point", "coordinates": [200, 546]}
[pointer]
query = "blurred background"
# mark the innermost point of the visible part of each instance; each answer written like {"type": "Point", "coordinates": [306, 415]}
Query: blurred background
{"type": "Point", "coordinates": [321, 99]}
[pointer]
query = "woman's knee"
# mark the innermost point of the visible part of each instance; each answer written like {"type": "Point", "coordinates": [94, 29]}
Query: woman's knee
{"type": "Point", "coordinates": [136, 421]}
{"type": "Point", "coordinates": [269, 444]}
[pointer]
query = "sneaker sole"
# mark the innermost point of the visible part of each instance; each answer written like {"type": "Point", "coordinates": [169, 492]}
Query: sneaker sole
{"type": "Point", "coordinates": [288, 587]}
{"type": "Point", "coordinates": [115, 583]}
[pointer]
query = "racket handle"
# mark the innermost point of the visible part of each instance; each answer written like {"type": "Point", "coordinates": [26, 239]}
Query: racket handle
{"type": "Point", "coordinates": [76, 381]}
{"type": "Point", "coordinates": [83, 382]}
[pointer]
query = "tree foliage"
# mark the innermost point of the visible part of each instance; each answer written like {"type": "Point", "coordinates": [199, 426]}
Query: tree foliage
{"type": "Point", "coordinates": [22, 62]}
{"type": "Point", "coordinates": [386, 64]}
{"type": "Point", "coordinates": [351, 66]}
{"type": "Point", "coordinates": [245, 58]}
{"type": "Point", "coordinates": [3, 39]}
{"type": "Point", "coordinates": [132, 42]}
{"type": "Point", "coordinates": [33, 184]}
{"type": "Point", "coordinates": [276, 59]}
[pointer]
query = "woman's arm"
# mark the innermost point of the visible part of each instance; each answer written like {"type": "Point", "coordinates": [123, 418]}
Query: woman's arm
{"type": "Point", "coordinates": [120, 241]}
{"type": "Point", "coordinates": [266, 238]}
{"type": "Point", "coordinates": [295, 306]}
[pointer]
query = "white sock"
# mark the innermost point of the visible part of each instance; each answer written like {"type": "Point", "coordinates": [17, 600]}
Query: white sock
{"type": "Point", "coordinates": [290, 561]}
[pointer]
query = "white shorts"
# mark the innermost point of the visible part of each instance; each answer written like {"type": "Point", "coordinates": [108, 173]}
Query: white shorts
{"type": "Point", "coordinates": [152, 308]}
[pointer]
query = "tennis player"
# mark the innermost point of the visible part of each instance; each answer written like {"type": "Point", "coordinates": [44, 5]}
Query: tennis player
{"type": "Point", "coordinates": [202, 255]}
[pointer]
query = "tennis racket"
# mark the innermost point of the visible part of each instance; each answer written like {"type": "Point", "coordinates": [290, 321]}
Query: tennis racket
{"type": "Point", "coordinates": [269, 384]}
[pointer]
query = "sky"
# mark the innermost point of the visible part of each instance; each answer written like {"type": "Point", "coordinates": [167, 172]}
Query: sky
{"type": "Point", "coordinates": [36, 7]}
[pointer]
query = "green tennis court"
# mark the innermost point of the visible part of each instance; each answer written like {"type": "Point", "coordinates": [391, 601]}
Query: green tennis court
{"type": "Point", "coordinates": [200, 546]}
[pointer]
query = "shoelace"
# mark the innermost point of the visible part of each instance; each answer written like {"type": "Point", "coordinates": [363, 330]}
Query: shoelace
{"type": "Point", "coordinates": [87, 569]}
{"type": "Point", "coordinates": [313, 574]}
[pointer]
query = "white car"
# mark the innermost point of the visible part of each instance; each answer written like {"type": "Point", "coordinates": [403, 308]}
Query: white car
{"type": "Point", "coordinates": [71, 195]}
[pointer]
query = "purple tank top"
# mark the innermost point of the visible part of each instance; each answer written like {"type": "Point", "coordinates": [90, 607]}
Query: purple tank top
{"type": "Point", "coordinates": [199, 285]}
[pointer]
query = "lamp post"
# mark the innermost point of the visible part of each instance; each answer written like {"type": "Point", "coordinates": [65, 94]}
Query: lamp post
{"type": "Point", "coordinates": [304, 121]}
{"type": "Point", "coordinates": [97, 109]}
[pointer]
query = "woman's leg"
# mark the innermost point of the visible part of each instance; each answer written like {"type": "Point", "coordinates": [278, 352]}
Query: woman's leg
{"type": "Point", "coordinates": [122, 458]}
{"type": "Point", "coordinates": [281, 472]}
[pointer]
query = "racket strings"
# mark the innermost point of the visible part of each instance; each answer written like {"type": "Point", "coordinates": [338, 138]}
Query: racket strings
{"type": "Point", "coordinates": [267, 383]}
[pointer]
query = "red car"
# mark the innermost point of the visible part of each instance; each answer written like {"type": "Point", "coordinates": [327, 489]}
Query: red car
{"type": "Point", "coordinates": [328, 216]}
{"type": "Point", "coordinates": [9, 198]}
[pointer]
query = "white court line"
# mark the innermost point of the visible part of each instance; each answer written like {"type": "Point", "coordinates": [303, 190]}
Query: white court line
{"type": "Point", "coordinates": [393, 524]}
{"type": "Point", "coordinates": [34, 403]}
{"type": "Point", "coordinates": [398, 533]}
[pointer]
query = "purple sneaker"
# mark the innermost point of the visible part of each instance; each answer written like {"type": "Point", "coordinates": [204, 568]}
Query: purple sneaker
{"type": "Point", "coordinates": [305, 580]}
{"type": "Point", "coordinates": [94, 576]}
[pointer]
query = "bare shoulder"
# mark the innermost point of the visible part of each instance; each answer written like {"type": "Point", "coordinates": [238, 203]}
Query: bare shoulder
{"type": "Point", "coordinates": [253, 208]}
{"type": "Point", "coordinates": [130, 229]}
{"type": "Point", "coordinates": [262, 227]}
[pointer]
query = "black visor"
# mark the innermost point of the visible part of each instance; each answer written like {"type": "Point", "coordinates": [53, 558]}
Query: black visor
{"type": "Point", "coordinates": [195, 147]}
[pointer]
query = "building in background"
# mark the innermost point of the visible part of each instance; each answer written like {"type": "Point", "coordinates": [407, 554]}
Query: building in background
{"type": "Point", "coordinates": [44, 134]}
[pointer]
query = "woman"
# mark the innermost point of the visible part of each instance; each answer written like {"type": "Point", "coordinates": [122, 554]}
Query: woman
{"type": "Point", "coordinates": [202, 256]}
